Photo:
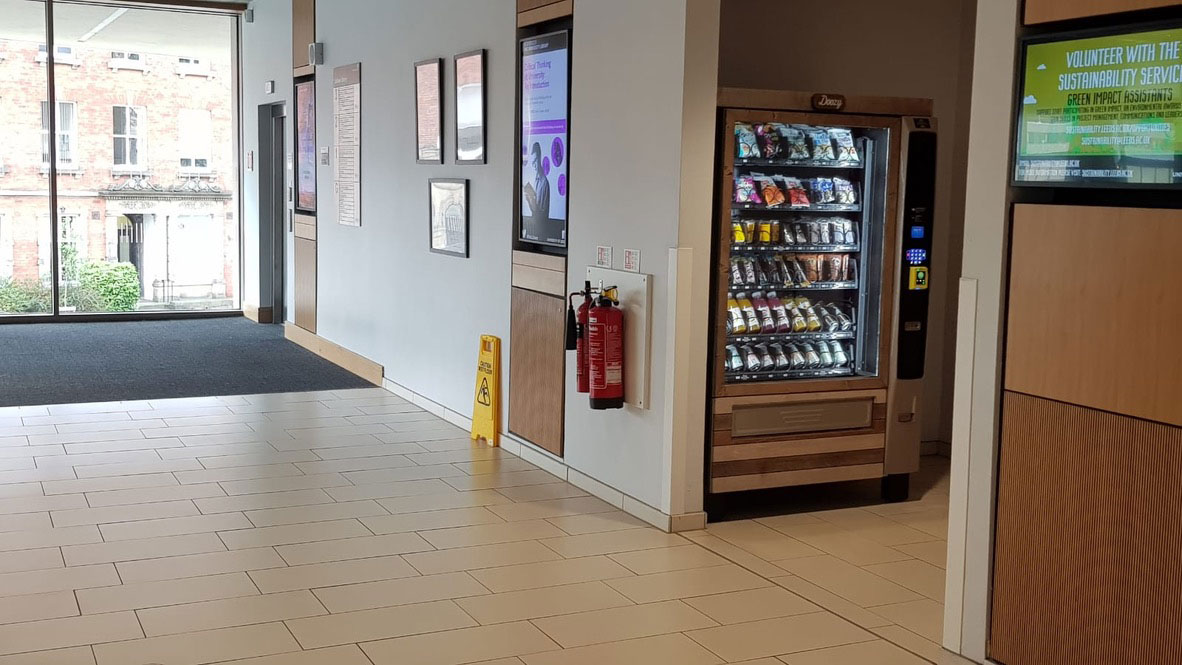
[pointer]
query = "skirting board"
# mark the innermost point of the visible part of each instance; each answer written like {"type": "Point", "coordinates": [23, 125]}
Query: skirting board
{"type": "Point", "coordinates": [258, 314]}
{"type": "Point", "coordinates": [557, 467]}
{"type": "Point", "coordinates": [335, 353]}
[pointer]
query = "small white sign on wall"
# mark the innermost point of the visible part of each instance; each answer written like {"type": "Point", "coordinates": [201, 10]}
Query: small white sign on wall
{"type": "Point", "coordinates": [603, 257]}
{"type": "Point", "coordinates": [632, 260]}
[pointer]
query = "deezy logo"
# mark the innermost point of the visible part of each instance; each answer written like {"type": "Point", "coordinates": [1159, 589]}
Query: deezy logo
{"type": "Point", "coordinates": [825, 102]}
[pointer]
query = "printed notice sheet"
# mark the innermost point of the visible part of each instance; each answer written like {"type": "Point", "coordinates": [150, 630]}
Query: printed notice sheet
{"type": "Point", "coordinates": [346, 113]}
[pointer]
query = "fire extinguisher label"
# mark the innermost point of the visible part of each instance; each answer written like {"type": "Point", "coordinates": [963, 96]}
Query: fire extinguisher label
{"type": "Point", "coordinates": [613, 366]}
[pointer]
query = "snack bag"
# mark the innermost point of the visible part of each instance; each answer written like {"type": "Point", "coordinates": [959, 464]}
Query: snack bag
{"type": "Point", "coordinates": [851, 237]}
{"type": "Point", "coordinates": [811, 357]}
{"type": "Point", "coordinates": [765, 231]}
{"type": "Point", "coordinates": [774, 232]}
{"type": "Point", "coordinates": [749, 314]}
{"type": "Point", "coordinates": [760, 275]}
{"type": "Point", "coordinates": [799, 322]}
{"type": "Point", "coordinates": [766, 362]}
{"type": "Point", "coordinates": [772, 195]}
{"type": "Point", "coordinates": [822, 190]}
{"type": "Point", "coordinates": [840, 357]}
{"type": "Point", "coordinates": [846, 150]}
{"type": "Point", "coordinates": [783, 322]}
{"type": "Point", "coordinates": [769, 138]}
{"type": "Point", "coordinates": [782, 361]}
{"type": "Point", "coordinates": [751, 358]}
{"type": "Point", "coordinates": [851, 270]}
{"type": "Point", "coordinates": [822, 144]}
{"type": "Point", "coordinates": [844, 322]}
{"type": "Point", "coordinates": [745, 190]}
{"type": "Point", "coordinates": [799, 274]}
{"type": "Point", "coordinates": [797, 195]}
{"type": "Point", "coordinates": [745, 142]}
{"type": "Point", "coordinates": [785, 273]}
{"type": "Point", "coordinates": [796, 356]}
{"type": "Point", "coordinates": [814, 233]}
{"type": "Point", "coordinates": [798, 146]}
{"type": "Point", "coordinates": [827, 320]}
{"type": "Point", "coordinates": [738, 235]}
{"type": "Point", "coordinates": [734, 361]}
{"type": "Point", "coordinates": [826, 232]}
{"type": "Point", "coordinates": [802, 233]}
{"type": "Point", "coordinates": [749, 230]}
{"type": "Point", "coordinates": [835, 268]}
{"type": "Point", "coordinates": [774, 276]}
{"type": "Point", "coordinates": [767, 321]}
{"type": "Point", "coordinates": [812, 267]}
{"type": "Point", "coordinates": [844, 192]}
{"type": "Point", "coordinates": [738, 324]}
{"type": "Point", "coordinates": [826, 356]}
{"type": "Point", "coordinates": [810, 314]}
{"type": "Point", "coordinates": [749, 273]}
{"type": "Point", "coordinates": [736, 272]}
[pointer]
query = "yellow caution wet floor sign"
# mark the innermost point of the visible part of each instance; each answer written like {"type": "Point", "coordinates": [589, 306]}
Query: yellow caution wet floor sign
{"type": "Point", "coordinates": [486, 410]}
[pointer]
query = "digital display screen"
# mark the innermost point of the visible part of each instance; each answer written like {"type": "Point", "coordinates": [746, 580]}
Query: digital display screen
{"type": "Point", "coordinates": [545, 135]}
{"type": "Point", "coordinates": [1102, 111]}
{"type": "Point", "coordinates": [917, 232]}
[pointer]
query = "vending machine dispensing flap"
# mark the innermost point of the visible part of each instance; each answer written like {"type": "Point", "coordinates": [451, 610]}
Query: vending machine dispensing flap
{"type": "Point", "coordinates": [919, 202]}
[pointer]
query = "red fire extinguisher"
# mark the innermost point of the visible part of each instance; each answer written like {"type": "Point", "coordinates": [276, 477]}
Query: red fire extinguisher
{"type": "Point", "coordinates": [605, 353]}
{"type": "Point", "coordinates": [576, 335]}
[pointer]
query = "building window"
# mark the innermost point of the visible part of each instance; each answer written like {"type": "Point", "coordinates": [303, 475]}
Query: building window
{"type": "Point", "coordinates": [128, 60]}
{"type": "Point", "coordinates": [63, 54]}
{"type": "Point", "coordinates": [196, 137]}
{"type": "Point", "coordinates": [192, 67]}
{"type": "Point", "coordinates": [129, 133]}
{"type": "Point", "coordinates": [67, 123]}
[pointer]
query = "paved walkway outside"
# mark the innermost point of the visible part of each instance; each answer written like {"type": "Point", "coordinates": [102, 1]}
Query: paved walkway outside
{"type": "Point", "coordinates": [352, 528]}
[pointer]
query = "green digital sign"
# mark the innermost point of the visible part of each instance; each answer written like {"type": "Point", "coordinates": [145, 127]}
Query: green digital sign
{"type": "Point", "coordinates": [1102, 110]}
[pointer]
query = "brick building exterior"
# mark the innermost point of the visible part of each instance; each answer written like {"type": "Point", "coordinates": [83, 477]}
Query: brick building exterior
{"type": "Point", "coordinates": [146, 169]}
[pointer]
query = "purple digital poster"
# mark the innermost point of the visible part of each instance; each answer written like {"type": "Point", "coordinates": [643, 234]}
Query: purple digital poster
{"type": "Point", "coordinates": [545, 137]}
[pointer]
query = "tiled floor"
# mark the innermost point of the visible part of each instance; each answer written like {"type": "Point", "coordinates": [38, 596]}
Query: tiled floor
{"type": "Point", "coordinates": [352, 528]}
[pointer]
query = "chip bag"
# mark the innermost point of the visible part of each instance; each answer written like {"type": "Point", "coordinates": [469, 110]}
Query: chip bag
{"type": "Point", "coordinates": [798, 146]}
{"type": "Point", "coordinates": [822, 144]}
{"type": "Point", "coordinates": [844, 191]}
{"type": "Point", "coordinates": [772, 195]}
{"type": "Point", "coordinates": [769, 139]}
{"type": "Point", "coordinates": [745, 190]}
{"type": "Point", "coordinates": [846, 150]}
{"type": "Point", "coordinates": [745, 142]}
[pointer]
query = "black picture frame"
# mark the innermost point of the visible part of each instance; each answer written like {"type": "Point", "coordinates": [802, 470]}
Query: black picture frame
{"type": "Point", "coordinates": [463, 138]}
{"type": "Point", "coordinates": [427, 154]}
{"type": "Point", "coordinates": [447, 230]}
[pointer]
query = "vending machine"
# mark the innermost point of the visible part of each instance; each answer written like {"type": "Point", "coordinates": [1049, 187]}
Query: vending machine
{"type": "Point", "coordinates": [823, 239]}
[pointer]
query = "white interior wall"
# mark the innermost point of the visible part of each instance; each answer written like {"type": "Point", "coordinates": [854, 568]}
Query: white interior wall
{"type": "Point", "coordinates": [912, 48]}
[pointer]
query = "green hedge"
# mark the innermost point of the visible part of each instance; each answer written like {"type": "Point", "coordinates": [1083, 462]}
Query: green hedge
{"type": "Point", "coordinates": [115, 285]}
{"type": "Point", "coordinates": [24, 297]}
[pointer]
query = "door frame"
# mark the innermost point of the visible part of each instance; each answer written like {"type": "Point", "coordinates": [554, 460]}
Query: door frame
{"type": "Point", "coordinates": [272, 119]}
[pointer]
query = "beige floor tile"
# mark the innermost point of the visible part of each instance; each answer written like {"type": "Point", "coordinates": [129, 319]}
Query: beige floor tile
{"type": "Point", "coordinates": [70, 656]}
{"type": "Point", "coordinates": [113, 514]}
{"type": "Point", "coordinates": [152, 495]}
{"type": "Point", "coordinates": [498, 465]}
{"type": "Point", "coordinates": [227, 449]}
{"type": "Point", "coordinates": [922, 647]}
{"type": "Point", "coordinates": [445, 501]}
{"type": "Point", "coordinates": [173, 526]}
{"type": "Point", "coordinates": [353, 548]}
{"type": "Point", "coordinates": [9, 452]}
{"type": "Point", "coordinates": [79, 486]}
{"type": "Point", "coordinates": [773, 637]}
{"type": "Point", "coordinates": [762, 541]}
{"type": "Point", "coordinates": [536, 510]}
{"type": "Point", "coordinates": [843, 544]}
{"type": "Point", "coordinates": [197, 430]}
{"type": "Point", "coordinates": [877, 652]}
{"type": "Point", "coordinates": [848, 581]}
{"type": "Point", "coordinates": [436, 519]}
{"type": "Point", "coordinates": [498, 480]}
{"type": "Point", "coordinates": [486, 556]}
{"type": "Point", "coordinates": [262, 471]}
{"type": "Point", "coordinates": [140, 595]}
{"type": "Point", "coordinates": [22, 560]}
{"type": "Point", "coordinates": [18, 464]}
{"type": "Point", "coordinates": [933, 522]}
{"type": "Point", "coordinates": [135, 468]}
{"type": "Point", "coordinates": [660, 649]}
{"type": "Point", "coordinates": [115, 416]}
{"type": "Point", "coordinates": [612, 541]}
{"type": "Point", "coordinates": [922, 617]}
{"type": "Point", "coordinates": [25, 522]}
{"type": "Point", "coordinates": [613, 520]}
{"type": "Point", "coordinates": [57, 579]}
{"type": "Point", "coordinates": [290, 534]}
{"type": "Point", "coordinates": [37, 607]}
{"type": "Point", "coordinates": [86, 460]}
{"type": "Point", "coordinates": [222, 439]}
{"type": "Point", "coordinates": [406, 591]}
{"type": "Point", "coordinates": [623, 623]}
{"type": "Point", "coordinates": [230, 612]}
{"type": "Point", "coordinates": [20, 490]}
{"type": "Point", "coordinates": [28, 540]}
{"type": "Point", "coordinates": [473, 453]}
{"type": "Point", "coordinates": [289, 442]}
{"type": "Point", "coordinates": [150, 548]}
{"type": "Point", "coordinates": [372, 450]}
{"type": "Point", "coordinates": [470, 645]}
{"type": "Point", "coordinates": [752, 605]}
{"type": "Point", "coordinates": [934, 552]}
{"type": "Point", "coordinates": [315, 575]}
{"type": "Point", "coordinates": [385, 623]}
{"type": "Point", "coordinates": [550, 573]}
{"type": "Point", "coordinates": [666, 559]}
{"type": "Point", "coordinates": [874, 527]}
{"type": "Point", "coordinates": [490, 534]}
{"type": "Point", "coordinates": [355, 464]}
{"type": "Point", "coordinates": [124, 445]}
{"type": "Point", "coordinates": [734, 554]}
{"type": "Point", "coordinates": [263, 485]}
{"type": "Point", "coordinates": [258, 459]}
{"type": "Point", "coordinates": [36, 504]}
{"type": "Point", "coordinates": [376, 476]}
{"type": "Point", "coordinates": [68, 632]}
{"type": "Point", "coordinates": [200, 648]}
{"type": "Point", "coordinates": [542, 602]}
{"type": "Point", "coordinates": [314, 513]}
{"type": "Point", "coordinates": [344, 655]}
{"type": "Point", "coordinates": [197, 565]}
{"type": "Point", "coordinates": [919, 576]}
{"type": "Point", "coordinates": [832, 602]}
{"type": "Point", "coordinates": [79, 437]}
{"type": "Point", "coordinates": [229, 504]}
{"type": "Point", "coordinates": [448, 445]}
{"type": "Point", "coordinates": [401, 488]}
{"type": "Point", "coordinates": [687, 583]}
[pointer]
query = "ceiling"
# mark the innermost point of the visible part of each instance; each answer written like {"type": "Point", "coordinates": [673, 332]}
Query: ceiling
{"type": "Point", "coordinates": [166, 32]}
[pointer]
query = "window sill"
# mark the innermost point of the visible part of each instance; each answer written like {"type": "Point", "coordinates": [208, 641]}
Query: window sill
{"type": "Point", "coordinates": [196, 174]}
{"type": "Point", "coordinates": [117, 171]}
{"type": "Point", "coordinates": [63, 170]}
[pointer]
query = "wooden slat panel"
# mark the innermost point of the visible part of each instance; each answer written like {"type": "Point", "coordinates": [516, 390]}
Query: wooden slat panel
{"type": "Point", "coordinates": [526, 5]}
{"type": "Point", "coordinates": [795, 463]}
{"type": "Point", "coordinates": [1095, 308]}
{"type": "Point", "coordinates": [539, 260]}
{"type": "Point", "coordinates": [303, 30]}
{"type": "Point", "coordinates": [545, 13]}
{"type": "Point", "coordinates": [768, 449]}
{"type": "Point", "coordinates": [1043, 11]}
{"type": "Point", "coordinates": [727, 438]}
{"type": "Point", "coordinates": [1088, 535]}
{"type": "Point", "coordinates": [537, 368]}
{"type": "Point", "coordinates": [551, 282]}
{"type": "Point", "coordinates": [305, 284]}
{"type": "Point", "coordinates": [728, 404]}
{"type": "Point", "coordinates": [790, 478]}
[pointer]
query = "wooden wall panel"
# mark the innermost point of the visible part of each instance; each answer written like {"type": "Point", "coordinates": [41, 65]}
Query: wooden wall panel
{"type": "Point", "coordinates": [1043, 11]}
{"type": "Point", "coordinates": [537, 370]}
{"type": "Point", "coordinates": [1095, 308]}
{"type": "Point", "coordinates": [1089, 530]}
{"type": "Point", "coordinates": [305, 284]}
{"type": "Point", "coordinates": [303, 31]}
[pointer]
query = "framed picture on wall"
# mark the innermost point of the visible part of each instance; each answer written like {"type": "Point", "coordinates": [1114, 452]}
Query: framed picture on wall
{"type": "Point", "coordinates": [449, 216]}
{"type": "Point", "coordinates": [470, 107]}
{"type": "Point", "coordinates": [305, 102]}
{"type": "Point", "coordinates": [429, 111]}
